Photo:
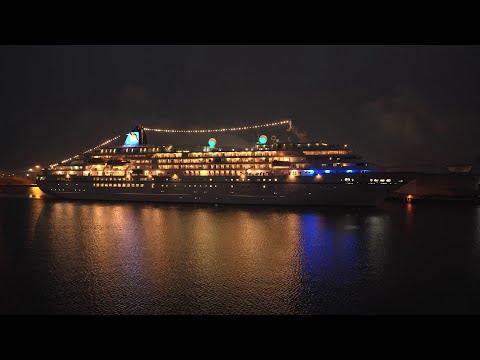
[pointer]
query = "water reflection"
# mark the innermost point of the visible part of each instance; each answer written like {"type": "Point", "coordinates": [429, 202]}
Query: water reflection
{"type": "Point", "coordinates": [129, 258]}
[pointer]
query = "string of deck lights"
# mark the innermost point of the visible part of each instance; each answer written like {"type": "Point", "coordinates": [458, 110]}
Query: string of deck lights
{"type": "Point", "coordinates": [241, 128]}
{"type": "Point", "coordinates": [86, 151]}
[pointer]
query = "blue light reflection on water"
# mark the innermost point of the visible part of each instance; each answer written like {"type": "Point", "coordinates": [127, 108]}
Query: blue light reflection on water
{"type": "Point", "coordinates": [317, 246]}
{"type": "Point", "coordinates": [330, 264]}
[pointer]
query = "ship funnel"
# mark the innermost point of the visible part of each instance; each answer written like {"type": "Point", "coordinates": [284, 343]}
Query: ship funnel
{"type": "Point", "coordinates": [136, 137]}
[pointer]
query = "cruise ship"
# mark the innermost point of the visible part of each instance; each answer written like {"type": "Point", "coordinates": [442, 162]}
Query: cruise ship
{"type": "Point", "coordinates": [270, 172]}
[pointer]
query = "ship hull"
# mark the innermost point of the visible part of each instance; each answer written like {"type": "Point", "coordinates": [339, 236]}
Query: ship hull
{"type": "Point", "coordinates": [281, 194]}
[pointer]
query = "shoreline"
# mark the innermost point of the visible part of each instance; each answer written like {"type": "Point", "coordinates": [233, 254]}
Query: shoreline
{"type": "Point", "coordinates": [18, 185]}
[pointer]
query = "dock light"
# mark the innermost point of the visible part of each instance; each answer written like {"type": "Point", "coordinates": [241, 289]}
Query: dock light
{"type": "Point", "coordinates": [262, 139]}
{"type": "Point", "coordinates": [30, 169]}
{"type": "Point", "coordinates": [37, 166]}
{"type": "Point", "coordinates": [212, 142]}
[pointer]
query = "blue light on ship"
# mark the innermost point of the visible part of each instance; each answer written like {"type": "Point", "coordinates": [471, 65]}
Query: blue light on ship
{"type": "Point", "coordinates": [133, 139]}
{"type": "Point", "coordinates": [331, 171]}
{"type": "Point", "coordinates": [212, 142]}
{"type": "Point", "coordinates": [262, 139]}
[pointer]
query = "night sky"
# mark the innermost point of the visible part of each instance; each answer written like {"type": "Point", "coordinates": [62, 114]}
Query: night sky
{"type": "Point", "coordinates": [395, 105]}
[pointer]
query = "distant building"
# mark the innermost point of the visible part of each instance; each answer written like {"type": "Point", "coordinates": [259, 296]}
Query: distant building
{"type": "Point", "coordinates": [453, 182]}
{"type": "Point", "coordinates": [466, 168]}
{"type": "Point", "coordinates": [460, 168]}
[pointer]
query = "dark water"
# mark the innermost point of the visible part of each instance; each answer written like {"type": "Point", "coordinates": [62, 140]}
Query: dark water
{"type": "Point", "coordinates": [66, 257]}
